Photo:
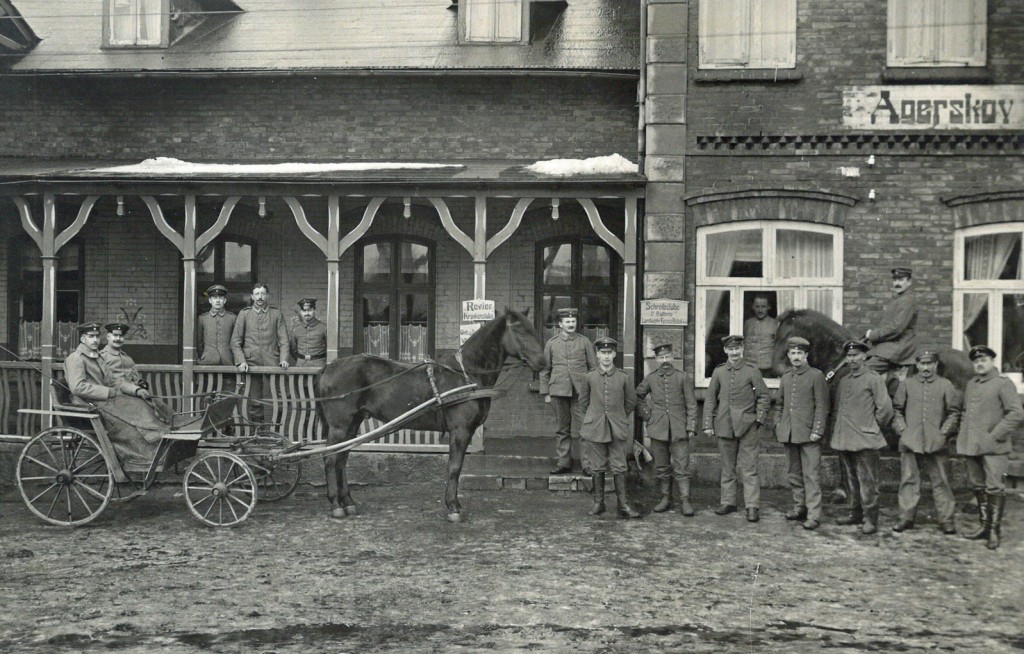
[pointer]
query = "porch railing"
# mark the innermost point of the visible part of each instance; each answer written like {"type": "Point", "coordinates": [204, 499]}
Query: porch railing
{"type": "Point", "coordinates": [291, 406]}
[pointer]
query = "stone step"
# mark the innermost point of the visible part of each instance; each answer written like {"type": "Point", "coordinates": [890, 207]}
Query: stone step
{"type": "Point", "coordinates": [507, 465]}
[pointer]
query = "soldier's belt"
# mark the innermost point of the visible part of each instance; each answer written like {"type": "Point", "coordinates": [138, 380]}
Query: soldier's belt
{"type": "Point", "coordinates": [311, 357]}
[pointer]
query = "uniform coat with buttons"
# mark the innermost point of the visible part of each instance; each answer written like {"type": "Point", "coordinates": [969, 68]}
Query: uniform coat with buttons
{"type": "Point", "coordinates": [864, 408]}
{"type": "Point", "coordinates": [120, 364]}
{"type": "Point", "coordinates": [90, 380]}
{"type": "Point", "coordinates": [894, 339]}
{"type": "Point", "coordinates": [567, 360]}
{"type": "Point", "coordinates": [308, 342]}
{"type": "Point", "coordinates": [213, 338]}
{"type": "Point", "coordinates": [737, 398]}
{"type": "Point", "coordinates": [927, 413]}
{"type": "Point", "coordinates": [673, 404]}
{"type": "Point", "coordinates": [260, 338]}
{"type": "Point", "coordinates": [992, 410]}
{"type": "Point", "coordinates": [608, 398]}
{"type": "Point", "coordinates": [804, 405]}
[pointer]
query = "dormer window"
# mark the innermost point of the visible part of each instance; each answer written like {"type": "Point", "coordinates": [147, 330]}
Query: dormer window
{"type": "Point", "coordinates": [494, 21]}
{"type": "Point", "coordinates": [136, 23]}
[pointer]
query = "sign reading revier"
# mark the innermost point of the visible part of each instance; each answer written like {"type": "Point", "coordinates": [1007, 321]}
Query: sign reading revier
{"type": "Point", "coordinates": [958, 107]}
{"type": "Point", "coordinates": [664, 312]}
{"type": "Point", "coordinates": [477, 310]}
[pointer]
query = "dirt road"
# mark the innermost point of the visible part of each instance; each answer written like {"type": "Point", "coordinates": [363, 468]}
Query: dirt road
{"type": "Point", "coordinates": [527, 571]}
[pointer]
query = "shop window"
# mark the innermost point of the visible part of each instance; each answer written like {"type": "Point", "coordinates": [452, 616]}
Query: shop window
{"type": "Point", "coordinates": [747, 34]}
{"type": "Point", "coordinates": [26, 294]}
{"type": "Point", "coordinates": [493, 21]}
{"type": "Point", "coordinates": [578, 273]}
{"type": "Point", "coordinates": [988, 295]}
{"type": "Point", "coordinates": [230, 261]}
{"type": "Point", "coordinates": [761, 267]}
{"type": "Point", "coordinates": [395, 299]}
{"type": "Point", "coordinates": [925, 33]}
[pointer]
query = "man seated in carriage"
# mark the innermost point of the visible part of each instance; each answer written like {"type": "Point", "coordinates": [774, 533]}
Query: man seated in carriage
{"type": "Point", "coordinates": [894, 341]}
{"type": "Point", "coordinates": [132, 422]}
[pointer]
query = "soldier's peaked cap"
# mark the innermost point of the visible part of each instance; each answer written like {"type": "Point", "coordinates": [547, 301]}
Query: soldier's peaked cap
{"type": "Point", "coordinates": [901, 271]}
{"type": "Point", "coordinates": [606, 343]}
{"type": "Point", "coordinates": [568, 312]}
{"type": "Point", "coordinates": [732, 340]}
{"type": "Point", "coordinates": [927, 356]}
{"type": "Point", "coordinates": [981, 351]}
{"type": "Point", "coordinates": [120, 326]}
{"type": "Point", "coordinates": [311, 301]}
{"type": "Point", "coordinates": [798, 343]}
{"type": "Point", "coordinates": [662, 348]}
{"type": "Point", "coordinates": [216, 289]}
{"type": "Point", "coordinates": [860, 346]}
{"type": "Point", "coordinates": [88, 327]}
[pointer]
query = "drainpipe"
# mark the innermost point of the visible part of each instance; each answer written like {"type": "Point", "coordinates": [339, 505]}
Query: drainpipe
{"type": "Point", "coordinates": [642, 91]}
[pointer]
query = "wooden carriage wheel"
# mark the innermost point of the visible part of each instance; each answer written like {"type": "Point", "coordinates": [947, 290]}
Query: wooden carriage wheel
{"type": "Point", "coordinates": [277, 480]}
{"type": "Point", "coordinates": [220, 489]}
{"type": "Point", "coordinates": [63, 477]}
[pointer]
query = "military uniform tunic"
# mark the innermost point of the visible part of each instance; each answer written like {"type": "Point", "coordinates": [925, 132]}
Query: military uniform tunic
{"type": "Point", "coordinates": [736, 399]}
{"type": "Point", "coordinates": [567, 360]}
{"type": "Point", "coordinates": [120, 364]}
{"type": "Point", "coordinates": [759, 341]}
{"type": "Point", "coordinates": [863, 409]}
{"type": "Point", "coordinates": [804, 407]}
{"type": "Point", "coordinates": [992, 410]}
{"type": "Point", "coordinates": [213, 338]}
{"type": "Point", "coordinates": [672, 402]}
{"type": "Point", "coordinates": [90, 379]}
{"type": "Point", "coordinates": [260, 338]}
{"type": "Point", "coordinates": [308, 343]}
{"type": "Point", "coordinates": [927, 413]}
{"type": "Point", "coordinates": [895, 339]}
{"type": "Point", "coordinates": [608, 398]}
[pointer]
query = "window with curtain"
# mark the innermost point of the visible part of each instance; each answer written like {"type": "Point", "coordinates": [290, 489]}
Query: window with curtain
{"type": "Point", "coordinates": [581, 273]}
{"type": "Point", "coordinates": [988, 295]}
{"type": "Point", "coordinates": [137, 23]}
{"type": "Point", "coordinates": [493, 21]}
{"type": "Point", "coordinates": [26, 294]}
{"type": "Point", "coordinates": [750, 272]}
{"type": "Point", "coordinates": [937, 33]}
{"type": "Point", "coordinates": [747, 34]}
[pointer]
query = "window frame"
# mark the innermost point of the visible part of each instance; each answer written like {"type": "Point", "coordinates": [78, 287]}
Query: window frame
{"type": "Point", "coordinates": [994, 288]}
{"type": "Point", "coordinates": [576, 289]}
{"type": "Point", "coordinates": [465, 10]}
{"type": "Point", "coordinates": [768, 281]}
{"type": "Point", "coordinates": [745, 60]}
{"type": "Point", "coordinates": [979, 52]}
{"type": "Point", "coordinates": [108, 31]}
{"type": "Point", "coordinates": [240, 292]}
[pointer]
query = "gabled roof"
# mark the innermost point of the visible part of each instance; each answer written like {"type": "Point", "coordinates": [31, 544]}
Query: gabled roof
{"type": "Point", "coordinates": [270, 36]}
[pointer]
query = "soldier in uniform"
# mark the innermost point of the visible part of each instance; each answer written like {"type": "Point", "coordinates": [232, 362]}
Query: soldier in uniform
{"type": "Point", "coordinates": [88, 377]}
{"type": "Point", "coordinates": [927, 409]}
{"type": "Point", "coordinates": [671, 427]}
{"type": "Point", "coordinates": [260, 338]}
{"type": "Point", "coordinates": [864, 409]}
{"type": "Point", "coordinates": [568, 357]}
{"type": "Point", "coordinates": [308, 338]}
{"type": "Point", "coordinates": [607, 397]}
{"type": "Point", "coordinates": [893, 342]}
{"type": "Point", "coordinates": [120, 364]}
{"type": "Point", "coordinates": [759, 336]}
{"type": "Point", "coordinates": [802, 416]}
{"type": "Point", "coordinates": [213, 338]}
{"type": "Point", "coordinates": [735, 406]}
{"type": "Point", "coordinates": [992, 411]}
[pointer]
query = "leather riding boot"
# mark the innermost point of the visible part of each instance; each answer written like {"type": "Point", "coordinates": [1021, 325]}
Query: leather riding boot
{"type": "Point", "coordinates": [666, 496]}
{"type": "Point", "coordinates": [625, 510]}
{"type": "Point", "coordinates": [870, 525]}
{"type": "Point", "coordinates": [996, 504]}
{"type": "Point", "coordinates": [855, 517]}
{"type": "Point", "coordinates": [683, 488]}
{"type": "Point", "coordinates": [598, 481]}
{"type": "Point", "coordinates": [981, 532]}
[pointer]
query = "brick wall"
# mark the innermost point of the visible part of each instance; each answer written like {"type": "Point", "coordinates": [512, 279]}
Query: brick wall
{"type": "Point", "coordinates": [307, 118]}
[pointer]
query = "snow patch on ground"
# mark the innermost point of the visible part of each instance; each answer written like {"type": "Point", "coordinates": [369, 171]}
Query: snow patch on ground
{"type": "Point", "coordinates": [613, 164]}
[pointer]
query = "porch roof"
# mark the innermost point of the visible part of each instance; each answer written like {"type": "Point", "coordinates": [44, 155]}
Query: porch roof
{"type": "Point", "coordinates": [23, 175]}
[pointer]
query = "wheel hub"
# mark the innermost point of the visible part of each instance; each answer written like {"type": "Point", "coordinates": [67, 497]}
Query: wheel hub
{"type": "Point", "coordinates": [65, 477]}
{"type": "Point", "coordinates": [220, 489]}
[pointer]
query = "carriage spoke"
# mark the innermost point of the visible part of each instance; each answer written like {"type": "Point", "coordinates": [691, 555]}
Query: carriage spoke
{"type": "Point", "coordinates": [88, 509]}
{"type": "Point", "coordinates": [91, 459]}
{"type": "Point", "coordinates": [212, 504]}
{"type": "Point", "coordinates": [74, 457]}
{"type": "Point", "coordinates": [202, 479]}
{"type": "Point", "coordinates": [92, 491]}
{"type": "Point", "coordinates": [87, 476]}
{"type": "Point", "coordinates": [49, 452]}
{"type": "Point", "coordinates": [238, 478]}
{"type": "Point", "coordinates": [208, 489]}
{"type": "Point", "coordinates": [67, 490]}
{"type": "Point", "coordinates": [213, 475]}
{"type": "Point", "coordinates": [202, 499]}
{"type": "Point", "coordinates": [29, 457]}
{"type": "Point", "coordinates": [232, 509]}
{"type": "Point", "coordinates": [44, 492]}
{"type": "Point", "coordinates": [56, 496]}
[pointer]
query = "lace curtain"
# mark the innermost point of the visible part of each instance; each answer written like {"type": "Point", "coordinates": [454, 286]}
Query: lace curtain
{"type": "Point", "coordinates": [985, 257]}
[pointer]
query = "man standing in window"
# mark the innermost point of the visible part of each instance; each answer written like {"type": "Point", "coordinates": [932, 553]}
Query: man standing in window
{"type": "Point", "coordinates": [992, 411]}
{"type": "Point", "coordinates": [893, 342]}
{"type": "Point", "coordinates": [308, 340]}
{"type": "Point", "coordinates": [607, 397]}
{"type": "Point", "coordinates": [735, 406]}
{"type": "Point", "coordinates": [863, 410]}
{"type": "Point", "coordinates": [568, 357]}
{"type": "Point", "coordinates": [759, 336]}
{"type": "Point", "coordinates": [260, 338]}
{"type": "Point", "coordinates": [927, 410]}
{"type": "Point", "coordinates": [213, 338]}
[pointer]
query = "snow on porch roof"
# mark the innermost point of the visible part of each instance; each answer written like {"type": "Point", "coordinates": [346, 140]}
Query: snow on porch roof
{"type": "Point", "coordinates": [613, 169]}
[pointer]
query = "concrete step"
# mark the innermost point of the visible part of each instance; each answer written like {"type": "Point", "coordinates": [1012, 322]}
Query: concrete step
{"type": "Point", "coordinates": [508, 465]}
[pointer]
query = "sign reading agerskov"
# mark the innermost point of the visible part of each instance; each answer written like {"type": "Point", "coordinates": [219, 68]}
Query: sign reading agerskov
{"type": "Point", "coordinates": [664, 312]}
{"type": "Point", "coordinates": [938, 107]}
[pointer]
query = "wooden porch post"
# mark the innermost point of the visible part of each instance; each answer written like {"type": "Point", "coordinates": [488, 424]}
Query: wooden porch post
{"type": "Point", "coordinates": [629, 357]}
{"type": "Point", "coordinates": [333, 275]}
{"type": "Point", "coordinates": [480, 249]}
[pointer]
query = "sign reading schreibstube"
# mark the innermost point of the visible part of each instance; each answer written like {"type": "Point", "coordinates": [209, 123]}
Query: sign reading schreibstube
{"type": "Point", "coordinates": [934, 107]}
{"type": "Point", "coordinates": [664, 312]}
{"type": "Point", "coordinates": [482, 310]}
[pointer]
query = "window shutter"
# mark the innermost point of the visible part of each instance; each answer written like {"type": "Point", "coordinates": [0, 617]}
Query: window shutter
{"type": "Point", "coordinates": [510, 20]}
{"type": "Point", "coordinates": [479, 20]}
{"type": "Point", "coordinates": [912, 27]}
{"type": "Point", "coordinates": [724, 33]}
{"type": "Point", "coordinates": [773, 36]}
{"type": "Point", "coordinates": [961, 30]}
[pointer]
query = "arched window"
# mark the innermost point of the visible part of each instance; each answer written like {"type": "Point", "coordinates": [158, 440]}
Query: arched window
{"type": "Point", "coordinates": [26, 296]}
{"type": "Point", "coordinates": [988, 292]}
{"type": "Point", "coordinates": [394, 311]}
{"type": "Point", "coordinates": [231, 261]}
{"type": "Point", "coordinates": [577, 272]}
{"type": "Point", "coordinates": [781, 263]}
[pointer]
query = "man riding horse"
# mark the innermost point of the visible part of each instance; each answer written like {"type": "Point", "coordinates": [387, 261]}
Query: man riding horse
{"type": "Point", "coordinates": [894, 342]}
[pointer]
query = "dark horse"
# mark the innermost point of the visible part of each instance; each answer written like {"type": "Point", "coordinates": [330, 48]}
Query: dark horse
{"type": "Point", "coordinates": [363, 385]}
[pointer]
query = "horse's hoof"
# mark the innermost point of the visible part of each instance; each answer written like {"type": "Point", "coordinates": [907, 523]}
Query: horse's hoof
{"type": "Point", "coordinates": [454, 517]}
{"type": "Point", "coordinates": [338, 514]}
{"type": "Point", "coordinates": [351, 510]}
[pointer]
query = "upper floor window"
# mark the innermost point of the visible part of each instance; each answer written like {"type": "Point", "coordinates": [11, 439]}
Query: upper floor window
{"type": "Point", "coordinates": [493, 21]}
{"type": "Point", "coordinates": [937, 32]}
{"type": "Point", "coordinates": [988, 293]}
{"type": "Point", "coordinates": [748, 34]}
{"type": "Point", "coordinates": [750, 272]}
{"type": "Point", "coordinates": [136, 23]}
